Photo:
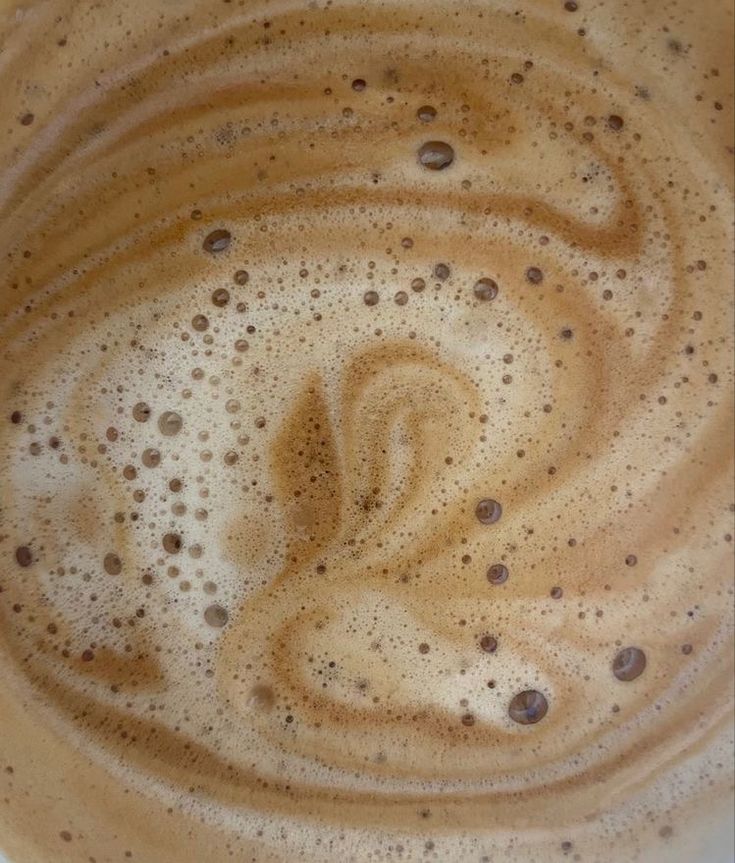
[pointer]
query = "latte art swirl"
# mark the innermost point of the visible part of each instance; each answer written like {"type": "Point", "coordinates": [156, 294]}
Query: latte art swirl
{"type": "Point", "coordinates": [366, 448]}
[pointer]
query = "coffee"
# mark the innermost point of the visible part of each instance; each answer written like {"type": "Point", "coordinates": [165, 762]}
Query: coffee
{"type": "Point", "coordinates": [366, 449]}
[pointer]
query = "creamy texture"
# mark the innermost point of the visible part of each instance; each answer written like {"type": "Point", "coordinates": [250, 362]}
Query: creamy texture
{"type": "Point", "coordinates": [366, 462]}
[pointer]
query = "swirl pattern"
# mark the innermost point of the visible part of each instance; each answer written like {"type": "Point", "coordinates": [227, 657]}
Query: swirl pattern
{"type": "Point", "coordinates": [254, 395]}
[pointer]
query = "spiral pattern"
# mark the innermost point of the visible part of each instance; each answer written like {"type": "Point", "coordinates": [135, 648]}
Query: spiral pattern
{"type": "Point", "coordinates": [289, 290]}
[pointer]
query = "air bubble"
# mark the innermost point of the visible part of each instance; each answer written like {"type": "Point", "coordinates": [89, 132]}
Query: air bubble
{"type": "Point", "coordinates": [488, 511]}
{"type": "Point", "coordinates": [141, 412]}
{"type": "Point", "coordinates": [485, 289]}
{"type": "Point", "coordinates": [426, 113]}
{"type": "Point", "coordinates": [497, 573]}
{"type": "Point", "coordinates": [216, 615]}
{"type": "Point", "coordinates": [112, 564]}
{"type": "Point", "coordinates": [170, 423]}
{"type": "Point", "coordinates": [436, 155]}
{"type": "Point", "coordinates": [23, 556]}
{"type": "Point", "coordinates": [241, 277]}
{"type": "Point", "coordinates": [629, 663]}
{"type": "Point", "coordinates": [151, 457]}
{"type": "Point", "coordinates": [172, 543]}
{"type": "Point", "coordinates": [528, 707]}
{"type": "Point", "coordinates": [217, 241]}
{"type": "Point", "coordinates": [220, 297]}
{"type": "Point", "coordinates": [534, 275]}
{"type": "Point", "coordinates": [488, 644]}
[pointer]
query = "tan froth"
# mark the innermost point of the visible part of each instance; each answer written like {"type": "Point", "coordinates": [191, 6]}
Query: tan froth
{"type": "Point", "coordinates": [278, 639]}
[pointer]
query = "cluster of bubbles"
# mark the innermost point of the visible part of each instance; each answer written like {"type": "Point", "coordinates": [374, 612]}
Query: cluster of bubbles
{"type": "Point", "coordinates": [349, 439]}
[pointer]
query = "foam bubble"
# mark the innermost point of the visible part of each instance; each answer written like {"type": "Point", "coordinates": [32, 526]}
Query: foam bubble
{"type": "Point", "coordinates": [217, 241]}
{"type": "Point", "coordinates": [486, 289]}
{"type": "Point", "coordinates": [488, 511]}
{"type": "Point", "coordinates": [528, 707]}
{"type": "Point", "coordinates": [436, 155]}
{"type": "Point", "coordinates": [362, 412]}
{"type": "Point", "coordinates": [629, 663]}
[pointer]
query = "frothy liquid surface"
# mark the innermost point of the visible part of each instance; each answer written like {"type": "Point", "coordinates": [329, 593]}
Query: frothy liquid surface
{"type": "Point", "coordinates": [366, 441]}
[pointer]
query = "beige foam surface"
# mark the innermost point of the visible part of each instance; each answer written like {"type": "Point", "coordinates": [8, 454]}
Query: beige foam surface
{"type": "Point", "coordinates": [253, 394]}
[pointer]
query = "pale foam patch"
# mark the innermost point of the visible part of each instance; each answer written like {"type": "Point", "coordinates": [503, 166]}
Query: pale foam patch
{"type": "Point", "coordinates": [298, 582]}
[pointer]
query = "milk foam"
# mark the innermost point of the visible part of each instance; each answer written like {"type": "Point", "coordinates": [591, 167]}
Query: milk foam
{"type": "Point", "coordinates": [254, 612]}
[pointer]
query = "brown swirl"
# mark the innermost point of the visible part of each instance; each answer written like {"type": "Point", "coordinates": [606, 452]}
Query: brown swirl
{"type": "Point", "coordinates": [287, 661]}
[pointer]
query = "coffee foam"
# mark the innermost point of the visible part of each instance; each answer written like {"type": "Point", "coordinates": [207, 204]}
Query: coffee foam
{"type": "Point", "coordinates": [254, 616]}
